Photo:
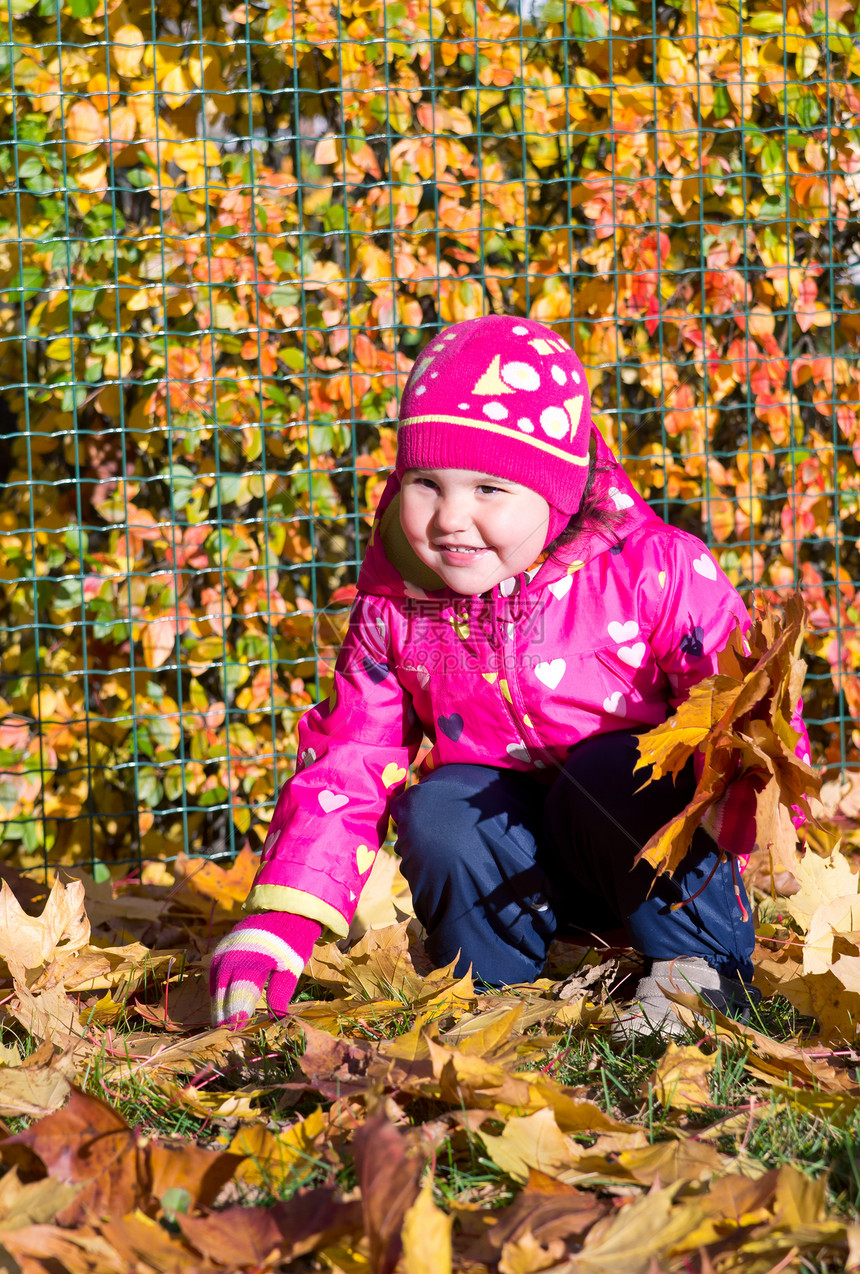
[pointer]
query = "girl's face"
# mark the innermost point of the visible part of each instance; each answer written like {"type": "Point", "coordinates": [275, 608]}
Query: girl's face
{"type": "Point", "coordinates": [501, 525]}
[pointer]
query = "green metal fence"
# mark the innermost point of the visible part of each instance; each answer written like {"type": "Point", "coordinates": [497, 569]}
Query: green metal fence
{"type": "Point", "coordinates": [225, 235]}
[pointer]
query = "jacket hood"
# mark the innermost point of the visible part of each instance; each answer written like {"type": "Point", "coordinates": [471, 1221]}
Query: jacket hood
{"type": "Point", "coordinates": [391, 569]}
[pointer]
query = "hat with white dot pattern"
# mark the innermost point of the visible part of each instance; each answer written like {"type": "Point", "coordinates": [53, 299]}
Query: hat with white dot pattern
{"type": "Point", "coordinates": [503, 396]}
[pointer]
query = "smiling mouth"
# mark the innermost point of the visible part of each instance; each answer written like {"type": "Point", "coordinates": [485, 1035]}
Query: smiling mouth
{"type": "Point", "coordinates": [459, 548]}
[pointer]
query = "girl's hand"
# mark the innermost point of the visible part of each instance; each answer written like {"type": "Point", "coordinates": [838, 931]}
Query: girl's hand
{"type": "Point", "coordinates": [272, 947]}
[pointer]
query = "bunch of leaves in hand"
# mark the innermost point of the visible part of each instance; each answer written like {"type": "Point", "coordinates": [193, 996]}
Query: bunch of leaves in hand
{"type": "Point", "coordinates": [739, 721]}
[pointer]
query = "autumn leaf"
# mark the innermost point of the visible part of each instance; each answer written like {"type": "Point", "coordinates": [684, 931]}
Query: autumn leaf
{"type": "Point", "coordinates": [680, 1080]}
{"type": "Point", "coordinates": [37, 1084]}
{"type": "Point", "coordinates": [426, 1236]}
{"type": "Point", "coordinates": [822, 881]}
{"type": "Point", "coordinates": [388, 1174]}
{"type": "Point", "coordinates": [736, 722]}
{"type": "Point", "coordinates": [29, 943]}
{"type": "Point", "coordinates": [291, 1156]}
{"type": "Point", "coordinates": [85, 128]}
{"type": "Point", "coordinates": [531, 1143]}
{"type": "Point", "coordinates": [633, 1238]}
{"type": "Point", "coordinates": [247, 1236]}
{"type": "Point", "coordinates": [86, 1144]}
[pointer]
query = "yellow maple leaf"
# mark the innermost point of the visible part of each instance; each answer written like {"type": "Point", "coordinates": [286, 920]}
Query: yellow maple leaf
{"type": "Point", "coordinates": [738, 720]}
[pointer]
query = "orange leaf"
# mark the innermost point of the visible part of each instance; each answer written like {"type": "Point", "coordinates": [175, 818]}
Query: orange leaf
{"type": "Point", "coordinates": [85, 128]}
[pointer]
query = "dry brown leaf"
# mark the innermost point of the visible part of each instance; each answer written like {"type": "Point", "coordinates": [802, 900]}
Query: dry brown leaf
{"type": "Point", "coordinates": [203, 884]}
{"type": "Point", "coordinates": [763, 873]}
{"type": "Point", "coordinates": [838, 1109]}
{"type": "Point", "coordinates": [668, 1162]}
{"type": "Point", "coordinates": [35, 1090]}
{"type": "Point", "coordinates": [841, 916]}
{"type": "Point", "coordinates": [385, 897]}
{"type": "Point", "coordinates": [32, 942]}
{"type": "Point", "coordinates": [542, 1216]}
{"type": "Point", "coordinates": [526, 1255]}
{"type": "Point", "coordinates": [531, 1143]}
{"type": "Point", "coordinates": [51, 1016]}
{"type": "Point", "coordinates": [242, 1237]}
{"type": "Point", "coordinates": [198, 1173]}
{"type": "Point", "coordinates": [235, 1237]}
{"type": "Point", "coordinates": [731, 1202]}
{"type": "Point", "coordinates": [466, 1081]}
{"type": "Point", "coordinates": [388, 1174]}
{"type": "Point", "coordinates": [768, 1059]}
{"type": "Point", "coordinates": [86, 1143]}
{"type": "Point", "coordinates": [490, 1032]}
{"type": "Point", "coordinates": [33, 1203]}
{"type": "Point", "coordinates": [821, 880]}
{"type": "Point", "coordinates": [669, 746]}
{"type": "Point", "coordinates": [243, 1103]}
{"type": "Point", "coordinates": [273, 1160]}
{"type": "Point", "coordinates": [426, 1236]}
{"type": "Point", "coordinates": [154, 1054]}
{"type": "Point", "coordinates": [39, 1248]}
{"type": "Point", "coordinates": [143, 1244]}
{"type": "Point", "coordinates": [381, 964]}
{"type": "Point", "coordinates": [109, 968]}
{"type": "Point", "coordinates": [680, 1079]}
{"type": "Point", "coordinates": [738, 720]}
{"type": "Point", "coordinates": [631, 1239]}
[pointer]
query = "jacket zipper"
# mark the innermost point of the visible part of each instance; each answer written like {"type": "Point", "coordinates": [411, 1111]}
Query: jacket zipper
{"type": "Point", "coordinates": [504, 680]}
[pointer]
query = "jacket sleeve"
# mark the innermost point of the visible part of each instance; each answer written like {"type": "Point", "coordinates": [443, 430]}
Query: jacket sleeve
{"type": "Point", "coordinates": [354, 753]}
{"type": "Point", "coordinates": [696, 609]}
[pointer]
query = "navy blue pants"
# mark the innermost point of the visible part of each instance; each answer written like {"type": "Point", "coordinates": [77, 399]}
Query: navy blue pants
{"type": "Point", "coordinates": [499, 863]}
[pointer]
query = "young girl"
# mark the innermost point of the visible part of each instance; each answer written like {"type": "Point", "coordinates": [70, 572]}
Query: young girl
{"type": "Point", "coordinates": [523, 607]}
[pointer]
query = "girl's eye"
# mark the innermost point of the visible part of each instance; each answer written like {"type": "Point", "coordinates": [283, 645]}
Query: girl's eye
{"type": "Point", "coordinates": [484, 490]}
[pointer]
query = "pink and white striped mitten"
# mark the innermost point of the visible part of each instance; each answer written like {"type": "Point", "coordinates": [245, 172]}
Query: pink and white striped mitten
{"type": "Point", "coordinates": [272, 947]}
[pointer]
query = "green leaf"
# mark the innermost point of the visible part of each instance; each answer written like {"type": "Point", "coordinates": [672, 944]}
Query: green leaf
{"type": "Point", "coordinates": [285, 294]}
{"type": "Point", "coordinates": [808, 111]}
{"type": "Point", "coordinates": [30, 280]}
{"type": "Point", "coordinates": [149, 788]}
{"type": "Point", "coordinates": [587, 22]}
{"type": "Point", "coordinates": [229, 487]}
{"type": "Point", "coordinates": [722, 102]}
{"type": "Point", "coordinates": [294, 358]}
{"type": "Point", "coordinates": [181, 480]}
{"type": "Point", "coordinates": [31, 167]}
{"type": "Point", "coordinates": [74, 397]}
{"type": "Point", "coordinates": [231, 676]}
{"type": "Point", "coordinates": [67, 594]}
{"type": "Point", "coordinates": [276, 19]}
{"type": "Point", "coordinates": [836, 33]}
{"type": "Point", "coordinates": [33, 127]}
{"type": "Point", "coordinates": [84, 300]}
{"type": "Point", "coordinates": [769, 22]}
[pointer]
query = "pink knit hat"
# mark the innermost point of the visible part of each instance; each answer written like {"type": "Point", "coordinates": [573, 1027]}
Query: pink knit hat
{"type": "Point", "coordinates": [503, 396]}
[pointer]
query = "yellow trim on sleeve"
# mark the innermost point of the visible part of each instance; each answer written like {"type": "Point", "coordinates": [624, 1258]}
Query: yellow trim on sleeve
{"type": "Point", "coordinates": [299, 903]}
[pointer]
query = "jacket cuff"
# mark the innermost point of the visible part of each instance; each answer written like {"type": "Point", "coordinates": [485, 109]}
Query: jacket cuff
{"type": "Point", "coordinates": [299, 903]}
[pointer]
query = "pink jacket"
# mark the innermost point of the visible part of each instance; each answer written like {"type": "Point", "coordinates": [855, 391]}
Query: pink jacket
{"type": "Point", "coordinates": [607, 636]}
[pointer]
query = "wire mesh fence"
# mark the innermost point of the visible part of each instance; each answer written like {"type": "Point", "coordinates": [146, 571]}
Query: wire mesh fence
{"type": "Point", "coordinates": [225, 234]}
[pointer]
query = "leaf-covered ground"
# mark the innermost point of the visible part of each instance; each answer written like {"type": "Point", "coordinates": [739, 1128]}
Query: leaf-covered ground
{"type": "Point", "coordinates": [399, 1120]}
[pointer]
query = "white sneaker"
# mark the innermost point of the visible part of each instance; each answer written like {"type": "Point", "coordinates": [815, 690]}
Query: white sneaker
{"type": "Point", "coordinates": [651, 1013]}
